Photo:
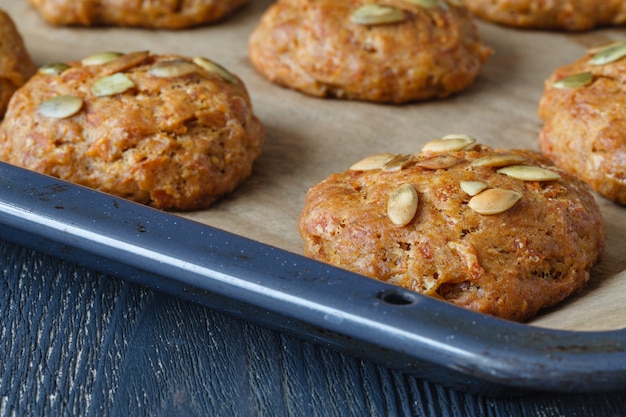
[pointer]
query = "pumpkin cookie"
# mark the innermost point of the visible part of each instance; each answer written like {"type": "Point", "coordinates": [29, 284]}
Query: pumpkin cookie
{"type": "Point", "coordinates": [164, 130]}
{"type": "Point", "coordinates": [570, 15]}
{"type": "Point", "coordinates": [583, 107]}
{"type": "Point", "coordinates": [502, 233]}
{"type": "Point", "coordinates": [392, 51]}
{"type": "Point", "coordinates": [163, 14]}
{"type": "Point", "coordinates": [16, 65]}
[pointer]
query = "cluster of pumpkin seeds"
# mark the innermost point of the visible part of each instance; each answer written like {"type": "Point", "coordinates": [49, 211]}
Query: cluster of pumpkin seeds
{"type": "Point", "coordinates": [63, 106]}
{"type": "Point", "coordinates": [375, 14]}
{"type": "Point", "coordinates": [601, 55]}
{"type": "Point", "coordinates": [403, 201]}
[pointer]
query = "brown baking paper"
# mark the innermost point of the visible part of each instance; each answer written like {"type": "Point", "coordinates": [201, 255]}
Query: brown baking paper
{"type": "Point", "coordinates": [308, 138]}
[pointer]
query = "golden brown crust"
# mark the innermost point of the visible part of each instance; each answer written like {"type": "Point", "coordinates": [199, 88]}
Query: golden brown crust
{"type": "Point", "coordinates": [174, 143]}
{"type": "Point", "coordinates": [584, 128]}
{"type": "Point", "coordinates": [16, 65]}
{"type": "Point", "coordinates": [509, 265]}
{"type": "Point", "coordinates": [314, 47]}
{"type": "Point", "coordinates": [571, 15]}
{"type": "Point", "coordinates": [165, 14]}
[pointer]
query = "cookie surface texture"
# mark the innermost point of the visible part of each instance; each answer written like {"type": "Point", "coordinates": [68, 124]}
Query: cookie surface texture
{"type": "Point", "coordinates": [569, 15]}
{"type": "Point", "coordinates": [16, 65]}
{"type": "Point", "coordinates": [501, 233]}
{"type": "Point", "coordinates": [162, 130]}
{"type": "Point", "coordinates": [583, 107]}
{"type": "Point", "coordinates": [391, 51]}
{"type": "Point", "coordinates": [163, 14]}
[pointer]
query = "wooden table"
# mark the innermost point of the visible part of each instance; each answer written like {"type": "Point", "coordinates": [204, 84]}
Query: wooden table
{"type": "Point", "coordinates": [76, 342]}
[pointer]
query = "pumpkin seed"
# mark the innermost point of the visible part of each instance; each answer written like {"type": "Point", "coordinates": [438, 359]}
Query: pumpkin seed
{"type": "Point", "coordinates": [112, 84]}
{"type": "Point", "coordinates": [374, 14]}
{"type": "Point", "coordinates": [494, 201]}
{"type": "Point", "coordinates": [595, 49]}
{"type": "Point", "coordinates": [213, 67]}
{"type": "Point", "coordinates": [424, 3]}
{"type": "Point", "coordinates": [126, 61]}
{"type": "Point", "coordinates": [498, 160]}
{"type": "Point", "coordinates": [529, 173]}
{"type": "Point", "coordinates": [402, 204]}
{"type": "Point", "coordinates": [471, 141]}
{"type": "Point", "coordinates": [610, 53]}
{"type": "Point", "coordinates": [439, 162]}
{"type": "Point", "coordinates": [459, 136]}
{"type": "Point", "coordinates": [101, 58]}
{"type": "Point", "coordinates": [397, 162]}
{"type": "Point", "coordinates": [581, 79]}
{"type": "Point", "coordinates": [172, 69]}
{"type": "Point", "coordinates": [372, 162]}
{"type": "Point", "coordinates": [53, 68]}
{"type": "Point", "coordinates": [60, 107]}
{"type": "Point", "coordinates": [473, 187]}
{"type": "Point", "coordinates": [449, 143]}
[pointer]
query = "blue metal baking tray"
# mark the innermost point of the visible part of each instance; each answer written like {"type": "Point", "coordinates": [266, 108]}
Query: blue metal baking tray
{"type": "Point", "coordinates": [360, 316]}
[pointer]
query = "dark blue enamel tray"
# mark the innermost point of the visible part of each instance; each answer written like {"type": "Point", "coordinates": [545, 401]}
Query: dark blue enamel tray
{"type": "Point", "coordinates": [360, 316]}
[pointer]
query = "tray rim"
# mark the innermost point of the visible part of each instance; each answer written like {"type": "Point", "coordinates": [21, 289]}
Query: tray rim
{"type": "Point", "coordinates": [289, 292]}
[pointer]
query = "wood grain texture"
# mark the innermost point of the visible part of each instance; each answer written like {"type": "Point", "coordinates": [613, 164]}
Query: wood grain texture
{"type": "Point", "coordinates": [78, 343]}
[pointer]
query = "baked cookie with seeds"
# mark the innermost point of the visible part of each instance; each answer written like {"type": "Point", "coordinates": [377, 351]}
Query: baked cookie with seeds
{"type": "Point", "coordinates": [583, 108]}
{"type": "Point", "coordinates": [391, 51]}
{"type": "Point", "coordinates": [155, 14]}
{"type": "Point", "coordinates": [499, 232]}
{"type": "Point", "coordinates": [16, 65]}
{"type": "Point", "coordinates": [172, 132]}
{"type": "Point", "coordinates": [569, 15]}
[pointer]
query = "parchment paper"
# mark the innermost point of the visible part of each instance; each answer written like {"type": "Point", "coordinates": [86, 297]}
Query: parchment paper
{"type": "Point", "coordinates": [310, 138]}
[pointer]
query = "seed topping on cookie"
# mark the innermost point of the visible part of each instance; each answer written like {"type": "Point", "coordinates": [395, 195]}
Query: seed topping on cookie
{"type": "Point", "coordinates": [213, 67]}
{"type": "Point", "coordinates": [54, 68]}
{"type": "Point", "coordinates": [101, 58]}
{"type": "Point", "coordinates": [484, 200]}
{"type": "Point", "coordinates": [529, 173]}
{"type": "Point", "coordinates": [112, 84]}
{"type": "Point", "coordinates": [172, 68]}
{"type": "Point", "coordinates": [472, 188]}
{"type": "Point", "coordinates": [374, 14]}
{"type": "Point", "coordinates": [581, 79]}
{"type": "Point", "coordinates": [397, 163]}
{"type": "Point", "coordinates": [372, 162]}
{"type": "Point", "coordinates": [439, 162]}
{"type": "Point", "coordinates": [60, 107]}
{"type": "Point", "coordinates": [425, 3]}
{"type": "Point", "coordinates": [609, 53]}
{"type": "Point", "coordinates": [127, 61]}
{"type": "Point", "coordinates": [494, 201]}
{"type": "Point", "coordinates": [498, 160]}
{"type": "Point", "coordinates": [449, 143]}
{"type": "Point", "coordinates": [402, 204]}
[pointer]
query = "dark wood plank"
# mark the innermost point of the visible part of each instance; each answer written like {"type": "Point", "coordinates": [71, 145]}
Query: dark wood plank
{"type": "Point", "coordinates": [75, 342]}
